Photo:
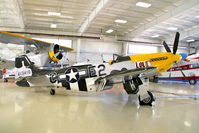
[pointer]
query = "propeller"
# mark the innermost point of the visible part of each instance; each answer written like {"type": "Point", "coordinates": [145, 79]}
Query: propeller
{"type": "Point", "coordinates": [175, 48]}
{"type": "Point", "coordinates": [57, 52]}
{"type": "Point", "coordinates": [175, 45]}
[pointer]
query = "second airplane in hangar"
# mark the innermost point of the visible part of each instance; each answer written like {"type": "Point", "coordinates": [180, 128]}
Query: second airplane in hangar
{"type": "Point", "coordinates": [98, 77]}
{"type": "Point", "coordinates": [185, 70]}
{"type": "Point", "coordinates": [44, 55]}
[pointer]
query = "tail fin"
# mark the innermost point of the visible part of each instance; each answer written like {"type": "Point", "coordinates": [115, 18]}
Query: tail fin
{"type": "Point", "coordinates": [24, 61]}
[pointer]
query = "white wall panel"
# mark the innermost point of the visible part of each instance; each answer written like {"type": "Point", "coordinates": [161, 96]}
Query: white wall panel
{"type": "Point", "coordinates": [195, 45]}
{"type": "Point", "coordinates": [95, 50]}
{"type": "Point", "coordinates": [97, 46]}
{"type": "Point", "coordinates": [10, 50]}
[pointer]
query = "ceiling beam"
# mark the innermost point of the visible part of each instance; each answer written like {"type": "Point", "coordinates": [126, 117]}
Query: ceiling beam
{"type": "Point", "coordinates": [92, 15]}
{"type": "Point", "coordinates": [44, 31]}
{"type": "Point", "coordinates": [158, 20]}
{"type": "Point", "coordinates": [191, 32]}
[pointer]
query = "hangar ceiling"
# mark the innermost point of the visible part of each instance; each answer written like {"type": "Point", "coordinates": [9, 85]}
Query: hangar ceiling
{"type": "Point", "coordinates": [95, 17]}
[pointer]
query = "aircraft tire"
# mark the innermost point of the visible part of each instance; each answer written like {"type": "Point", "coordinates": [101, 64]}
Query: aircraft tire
{"type": "Point", "coordinates": [52, 91]}
{"type": "Point", "coordinates": [5, 80]}
{"type": "Point", "coordinates": [147, 101]}
{"type": "Point", "coordinates": [192, 81]}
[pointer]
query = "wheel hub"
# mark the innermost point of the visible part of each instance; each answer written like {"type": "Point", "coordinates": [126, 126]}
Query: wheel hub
{"type": "Point", "coordinates": [147, 100]}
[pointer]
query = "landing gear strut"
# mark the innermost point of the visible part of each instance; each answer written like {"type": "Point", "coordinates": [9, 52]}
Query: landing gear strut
{"type": "Point", "coordinates": [132, 85]}
{"type": "Point", "coordinates": [147, 100]}
{"type": "Point", "coordinates": [52, 91]}
{"type": "Point", "coordinates": [131, 88]}
{"type": "Point", "coordinates": [5, 80]}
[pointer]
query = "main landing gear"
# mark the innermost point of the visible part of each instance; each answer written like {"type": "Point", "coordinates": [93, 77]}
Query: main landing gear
{"type": "Point", "coordinates": [131, 86]}
{"type": "Point", "coordinates": [147, 100]}
{"type": "Point", "coordinates": [5, 80]}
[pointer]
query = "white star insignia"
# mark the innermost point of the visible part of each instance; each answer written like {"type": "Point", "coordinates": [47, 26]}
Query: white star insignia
{"type": "Point", "coordinates": [72, 75]}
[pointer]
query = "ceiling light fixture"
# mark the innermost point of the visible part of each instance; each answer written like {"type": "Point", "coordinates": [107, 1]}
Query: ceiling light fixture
{"type": "Point", "coordinates": [143, 4]}
{"type": "Point", "coordinates": [120, 21]}
{"type": "Point", "coordinates": [155, 36]}
{"type": "Point", "coordinates": [186, 123]}
{"type": "Point", "coordinates": [197, 16]}
{"type": "Point", "coordinates": [32, 46]}
{"type": "Point", "coordinates": [53, 26]}
{"type": "Point", "coordinates": [109, 31]}
{"type": "Point", "coordinates": [71, 17]}
{"type": "Point", "coordinates": [54, 13]}
{"type": "Point", "coordinates": [173, 28]}
{"type": "Point", "coordinates": [190, 40]}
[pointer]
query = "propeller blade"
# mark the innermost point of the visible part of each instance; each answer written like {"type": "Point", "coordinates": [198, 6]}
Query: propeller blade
{"type": "Point", "coordinates": [166, 47]}
{"type": "Point", "coordinates": [176, 41]}
{"type": "Point", "coordinates": [59, 56]}
{"type": "Point", "coordinates": [56, 48]}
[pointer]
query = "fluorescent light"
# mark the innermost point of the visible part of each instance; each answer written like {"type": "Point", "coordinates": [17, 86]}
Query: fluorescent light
{"type": "Point", "coordinates": [143, 4]}
{"type": "Point", "coordinates": [186, 123]}
{"type": "Point", "coordinates": [197, 16]}
{"type": "Point", "coordinates": [155, 36]}
{"type": "Point", "coordinates": [32, 46]}
{"type": "Point", "coordinates": [53, 26]}
{"type": "Point", "coordinates": [190, 40]}
{"type": "Point", "coordinates": [173, 28]}
{"type": "Point", "coordinates": [68, 17]}
{"type": "Point", "coordinates": [54, 13]}
{"type": "Point", "coordinates": [120, 21]}
{"type": "Point", "coordinates": [109, 31]}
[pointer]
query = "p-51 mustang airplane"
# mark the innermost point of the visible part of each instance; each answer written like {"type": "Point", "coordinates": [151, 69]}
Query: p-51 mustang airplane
{"type": "Point", "coordinates": [98, 77]}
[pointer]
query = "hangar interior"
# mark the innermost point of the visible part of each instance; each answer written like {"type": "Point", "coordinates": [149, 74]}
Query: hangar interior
{"type": "Point", "coordinates": [97, 29]}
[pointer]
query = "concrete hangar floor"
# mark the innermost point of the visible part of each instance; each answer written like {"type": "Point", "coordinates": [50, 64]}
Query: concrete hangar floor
{"type": "Point", "coordinates": [26, 110]}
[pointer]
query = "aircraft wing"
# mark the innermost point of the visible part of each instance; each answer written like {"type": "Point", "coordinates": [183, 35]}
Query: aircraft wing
{"type": "Point", "coordinates": [132, 72]}
{"type": "Point", "coordinates": [7, 37]}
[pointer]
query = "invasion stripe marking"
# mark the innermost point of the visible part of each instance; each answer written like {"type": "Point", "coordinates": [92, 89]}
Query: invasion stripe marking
{"type": "Point", "coordinates": [82, 85]}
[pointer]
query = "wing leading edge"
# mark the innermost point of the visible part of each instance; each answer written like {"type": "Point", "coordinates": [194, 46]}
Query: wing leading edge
{"type": "Point", "coordinates": [7, 37]}
{"type": "Point", "coordinates": [132, 72]}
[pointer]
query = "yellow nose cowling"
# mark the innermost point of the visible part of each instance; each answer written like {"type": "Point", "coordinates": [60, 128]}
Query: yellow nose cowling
{"type": "Point", "coordinates": [52, 57]}
{"type": "Point", "coordinates": [164, 65]}
{"type": "Point", "coordinates": [163, 61]}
